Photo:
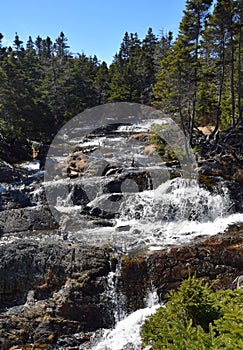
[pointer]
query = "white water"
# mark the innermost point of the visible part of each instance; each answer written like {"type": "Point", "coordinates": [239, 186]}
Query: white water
{"type": "Point", "coordinates": [127, 331]}
{"type": "Point", "coordinates": [174, 213]}
{"type": "Point", "coordinates": [32, 165]}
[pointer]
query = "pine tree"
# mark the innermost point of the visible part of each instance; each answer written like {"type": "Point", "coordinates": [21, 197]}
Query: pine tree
{"type": "Point", "coordinates": [148, 66]}
{"type": "Point", "coordinates": [101, 83]}
{"type": "Point", "coordinates": [125, 71]}
{"type": "Point", "coordinates": [220, 44]}
{"type": "Point", "coordinates": [190, 32]}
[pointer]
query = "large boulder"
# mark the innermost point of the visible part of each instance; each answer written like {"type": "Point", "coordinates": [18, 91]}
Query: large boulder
{"type": "Point", "coordinates": [27, 219]}
{"type": "Point", "coordinates": [8, 173]}
{"type": "Point", "coordinates": [15, 198]}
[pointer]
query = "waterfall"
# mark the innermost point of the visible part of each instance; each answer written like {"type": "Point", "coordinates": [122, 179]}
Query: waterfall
{"type": "Point", "coordinates": [175, 212]}
{"type": "Point", "coordinates": [114, 294]}
{"type": "Point", "coordinates": [126, 333]}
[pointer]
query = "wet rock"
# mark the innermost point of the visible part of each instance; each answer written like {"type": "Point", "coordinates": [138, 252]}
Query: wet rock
{"type": "Point", "coordinates": [8, 173]}
{"type": "Point", "coordinates": [130, 181]}
{"type": "Point", "coordinates": [27, 219]}
{"type": "Point", "coordinates": [48, 290]}
{"type": "Point", "coordinates": [218, 259]}
{"type": "Point", "coordinates": [14, 199]}
{"type": "Point", "coordinates": [78, 195]}
{"type": "Point", "coordinates": [112, 169]}
{"type": "Point", "coordinates": [106, 130]}
{"type": "Point", "coordinates": [94, 212]}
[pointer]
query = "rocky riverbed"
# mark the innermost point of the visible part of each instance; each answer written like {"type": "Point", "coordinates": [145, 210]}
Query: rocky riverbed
{"type": "Point", "coordinates": [53, 290]}
{"type": "Point", "coordinates": [58, 289]}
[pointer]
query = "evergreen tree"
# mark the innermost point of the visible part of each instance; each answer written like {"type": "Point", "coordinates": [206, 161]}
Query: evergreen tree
{"type": "Point", "coordinates": [101, 83]}
{"type": "Point", "coordinates": [124, 71]}
{"type": "Point", "coordinates": [239, 54]}
{"type": "Point", "coordinates": [148, 66]}
{"type": "Point", "coordinates": [38, 44]}
{"type": "Point", "coordinates": [190, 32]}
{"type": "Point", "coordinates": [61, 47]}
{"type": "Point", "coordinates": [220, 44]}
{"type": "Point", "coordinates": [177, 82]}
{"type": "Point", "coordinates": [163, 46]}
{"type": "Point", "coordinates": [18, 43]}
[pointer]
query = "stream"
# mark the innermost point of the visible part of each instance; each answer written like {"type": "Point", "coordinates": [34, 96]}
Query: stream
{"type": "Point", "coordinates": [126, 196]}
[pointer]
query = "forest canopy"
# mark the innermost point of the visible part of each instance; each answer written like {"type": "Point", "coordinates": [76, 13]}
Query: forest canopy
{"type": "Point", "coordinates": [195, 77]}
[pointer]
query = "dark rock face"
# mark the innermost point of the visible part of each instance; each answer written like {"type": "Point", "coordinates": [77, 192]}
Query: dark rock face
{"type": "Point", "coordinates": [14, 199]}
{"type": "Point", "coordinates": [218, 259]}
{"type": "Point", "coordinates": [51, 289]}
{"type": "Point", "coordinates": [15, 151]}
{"type": "Point", "coordinates": [26, 219]}
{"type": "Point", "coordinates": [8, 173]}
{"type": "Point", "coordinates": [137, 181]}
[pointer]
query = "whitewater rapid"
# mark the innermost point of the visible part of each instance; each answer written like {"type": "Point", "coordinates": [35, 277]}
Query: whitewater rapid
{"type": "Point", "coordinates": [174, 213]}
{"type": "Point", "coordinates": [127, 331]}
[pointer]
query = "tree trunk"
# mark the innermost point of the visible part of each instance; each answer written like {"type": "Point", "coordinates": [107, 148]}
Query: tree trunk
{"type": "Point", "coordinates": [221, 85]}
{"type": "Point", "coordinates": [232, 80]}
{"type": "Point", "coordinates": [239, 88]}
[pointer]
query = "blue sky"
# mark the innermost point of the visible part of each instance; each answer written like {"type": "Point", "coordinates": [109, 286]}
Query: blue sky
{"type": "Point", "coordinates": [93, 26]}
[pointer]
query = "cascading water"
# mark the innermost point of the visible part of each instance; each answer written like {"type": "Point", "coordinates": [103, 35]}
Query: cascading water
{"type": "Point", "coordinates": [126, 334]}
{"type": "Point", "coordinates": [132, 200]}
{"type": "Point", "coordinates": [127, 195]}
{"type": "Point", "coordinates": [119, 301]}
{"type": "Point", "coordinates": [176, 212]}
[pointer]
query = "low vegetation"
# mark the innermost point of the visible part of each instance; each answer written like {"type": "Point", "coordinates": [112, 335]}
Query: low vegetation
{"type": "Point", "coordinates": [196, 317]}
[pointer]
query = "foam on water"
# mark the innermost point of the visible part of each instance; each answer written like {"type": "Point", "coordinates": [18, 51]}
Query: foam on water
{"type": "Point", "coordinates": [127, 331]}
{"type": "Point", "coordinates": [31, 166]}
{"type": "Point", "coordinates": [174, 213]}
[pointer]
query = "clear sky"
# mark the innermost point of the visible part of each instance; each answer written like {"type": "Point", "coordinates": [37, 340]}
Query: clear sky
{"type": "Point", "coordinates": [94, 27]}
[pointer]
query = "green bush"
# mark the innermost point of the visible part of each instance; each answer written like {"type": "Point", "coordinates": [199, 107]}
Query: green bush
{"type": "Point", "coordinates": [196, 317]}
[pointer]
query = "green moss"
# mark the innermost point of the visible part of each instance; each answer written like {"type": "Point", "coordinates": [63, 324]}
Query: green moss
{"type": "Point", "coordinates": [209, 182]}
{"type": "Point", "coordinates": [163, 149]}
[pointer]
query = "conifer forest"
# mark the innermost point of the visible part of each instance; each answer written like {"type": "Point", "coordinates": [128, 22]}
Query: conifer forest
{"type": "Point", "coordinates": [195, 77]}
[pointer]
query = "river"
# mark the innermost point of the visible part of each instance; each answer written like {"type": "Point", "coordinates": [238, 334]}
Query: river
{"type": "Point", "coordinates": [127, 197]}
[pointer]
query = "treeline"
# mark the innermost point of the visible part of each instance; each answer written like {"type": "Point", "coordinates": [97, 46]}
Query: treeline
{"type": "Point", "coordinates": [196, 77]}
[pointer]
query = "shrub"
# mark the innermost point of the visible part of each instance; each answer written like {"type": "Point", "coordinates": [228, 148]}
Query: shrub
{"type": "Point", "coordinates": [196, 317]}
